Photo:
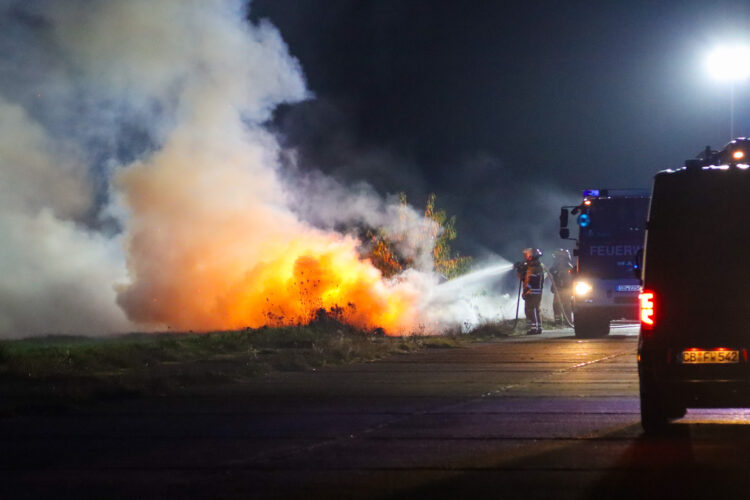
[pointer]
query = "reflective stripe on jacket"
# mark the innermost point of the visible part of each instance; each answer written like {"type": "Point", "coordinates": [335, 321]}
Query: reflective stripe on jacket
{"type": "Point", "coordinates": [533, 280]}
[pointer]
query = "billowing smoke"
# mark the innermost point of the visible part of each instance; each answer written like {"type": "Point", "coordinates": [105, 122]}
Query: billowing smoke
{"type": "Point", "coordinates": [325, 202]}
{"type": "Point", "coordinates": [140, 188]}
{"type": "Point", "coordinates": [57, 275]}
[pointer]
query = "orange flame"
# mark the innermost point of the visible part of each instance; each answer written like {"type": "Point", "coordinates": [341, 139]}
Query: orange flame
{"type": "Point", "coordinates": [294, 287]}
{"type": "Point", "coordinates": [211, 249]}
{"type": "Point", "coordinates": [384, 258]}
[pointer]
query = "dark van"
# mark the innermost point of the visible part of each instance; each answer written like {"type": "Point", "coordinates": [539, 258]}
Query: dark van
{"type": "Point", "coordinates": [695, 304]}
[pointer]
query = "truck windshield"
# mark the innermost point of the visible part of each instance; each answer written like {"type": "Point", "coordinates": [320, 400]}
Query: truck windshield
{"type": "Point", "coordinates": [609, 243]}
{"type": "Point", "coordinates": [615, 218]}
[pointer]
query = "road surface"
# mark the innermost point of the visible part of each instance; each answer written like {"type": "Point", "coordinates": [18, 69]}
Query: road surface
{"type": "Point", "coordinates": [527, 417]}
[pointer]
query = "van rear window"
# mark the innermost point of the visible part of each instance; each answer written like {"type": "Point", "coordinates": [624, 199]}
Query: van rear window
{"type": "Point", "coordinates": [698, 243]}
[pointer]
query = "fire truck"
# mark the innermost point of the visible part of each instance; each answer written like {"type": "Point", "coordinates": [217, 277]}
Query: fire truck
{"type": "Point", "coordinates": [611, 227]}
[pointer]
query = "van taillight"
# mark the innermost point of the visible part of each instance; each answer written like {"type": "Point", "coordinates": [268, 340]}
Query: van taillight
{"type": "Point", "coordinates": [647, 309]}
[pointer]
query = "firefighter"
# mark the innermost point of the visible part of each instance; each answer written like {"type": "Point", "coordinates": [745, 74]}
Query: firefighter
{"type": "Point", "coordinates": [562, 285]}
{"type": "Point", "coordinates": [531, 273]}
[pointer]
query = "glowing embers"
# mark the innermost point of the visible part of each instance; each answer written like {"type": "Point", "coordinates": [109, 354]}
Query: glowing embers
{"type": "Point", "coordinates": [647, 307]}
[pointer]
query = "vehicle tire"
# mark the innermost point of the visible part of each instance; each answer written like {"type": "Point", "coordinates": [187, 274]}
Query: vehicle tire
{"type": "Point", "coordinates": [582, 325]}
{"type": "Point", "coordinates": [654, 412]}
{"type": "Point", "coordinates": [676, 410]}
{"type": "Point", "coordinates": [602, 327]}
{"type": "Point", "coordinates": [589, 326]}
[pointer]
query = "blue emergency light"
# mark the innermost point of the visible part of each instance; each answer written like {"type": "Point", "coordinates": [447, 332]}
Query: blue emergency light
{"type": "Point", "coordinates": [590, 192]}
{"type": "Point", "coordinates": [584, 220]}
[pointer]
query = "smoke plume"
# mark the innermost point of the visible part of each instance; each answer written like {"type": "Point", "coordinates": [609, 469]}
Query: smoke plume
{"type": "Point", "coordinates": [140, 187]}
{"type": "Point", "coordinates": [57, 274]}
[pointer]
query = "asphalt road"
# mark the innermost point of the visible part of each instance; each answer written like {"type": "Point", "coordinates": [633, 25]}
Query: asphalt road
{"type": "Point", "coordinates": [528, 417]}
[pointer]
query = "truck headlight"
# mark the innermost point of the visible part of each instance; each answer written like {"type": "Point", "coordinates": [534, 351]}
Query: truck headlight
{"type": "Point", "coordinates": [582, 288]}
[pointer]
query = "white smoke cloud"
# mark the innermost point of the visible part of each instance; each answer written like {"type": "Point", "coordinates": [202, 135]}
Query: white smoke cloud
{"type": "Point", "coordinates": [37, 172]}
{"type": "Point", "coordinates": [182, 71]}
{"type": "Point", "coordinates": [57, 276]}
{"type": "Point", "coordinates": [328, 203]}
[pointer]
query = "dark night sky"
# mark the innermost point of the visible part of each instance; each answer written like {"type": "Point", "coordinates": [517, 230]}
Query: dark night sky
{"type": "Point", "coordinates": [505, 108]}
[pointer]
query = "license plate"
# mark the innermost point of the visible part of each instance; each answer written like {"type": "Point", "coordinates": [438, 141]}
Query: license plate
{"type": "Point", "coordinates": [628, 288]}
{"type": "Point", "coordinates": [710, 357]}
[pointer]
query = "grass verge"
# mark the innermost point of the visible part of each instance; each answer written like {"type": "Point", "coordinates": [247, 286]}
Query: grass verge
{"type": "Point", "coordinates": [54, 373]}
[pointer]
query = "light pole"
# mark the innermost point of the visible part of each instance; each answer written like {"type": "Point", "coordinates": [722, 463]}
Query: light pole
{"type": "Point", "coordinates": [730, 63]}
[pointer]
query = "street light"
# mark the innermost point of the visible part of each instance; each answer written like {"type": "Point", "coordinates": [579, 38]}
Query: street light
{"type": "Point", "coordinates": [730, 63]}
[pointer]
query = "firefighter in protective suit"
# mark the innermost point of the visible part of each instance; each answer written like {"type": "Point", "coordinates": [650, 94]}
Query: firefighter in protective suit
{"type": "Point", "coordinates": [531, 273]}
{"type": "Point", "coordinates": [562, 285]}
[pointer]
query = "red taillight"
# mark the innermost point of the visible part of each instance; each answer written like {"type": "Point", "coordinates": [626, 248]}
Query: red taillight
{"type": "Point", "coordinates": [647, 309]}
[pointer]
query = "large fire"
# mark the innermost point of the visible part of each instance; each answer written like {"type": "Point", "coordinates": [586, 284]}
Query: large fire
{"type": "Point", "coordinates": [214, 247]}
{"type": "Point", "coordinates": [214, 236]}
{"type": "Point", "coordinates": [318, 273]}
{"type": "Point", "coordinates": [321, 275]}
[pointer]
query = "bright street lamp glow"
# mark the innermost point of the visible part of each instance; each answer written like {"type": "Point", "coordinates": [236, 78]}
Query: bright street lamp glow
{"type": "Point", "coordinates": [730, 63]}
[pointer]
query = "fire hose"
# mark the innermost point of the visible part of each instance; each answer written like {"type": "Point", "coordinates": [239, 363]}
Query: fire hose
{"type": "Point", "coordinates": [559, 299]}
{"type": "Point", "coordinates": [518, 303]}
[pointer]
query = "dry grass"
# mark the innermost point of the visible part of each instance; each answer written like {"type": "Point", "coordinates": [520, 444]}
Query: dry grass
{"type": "Point", "coordinates": [59, 371]}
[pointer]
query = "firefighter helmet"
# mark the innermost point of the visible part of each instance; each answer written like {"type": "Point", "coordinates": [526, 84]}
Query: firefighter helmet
{"type": "Point", "coordinates": [531, 254]}
{"type": "Point", "coordinates": [562, 255]}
